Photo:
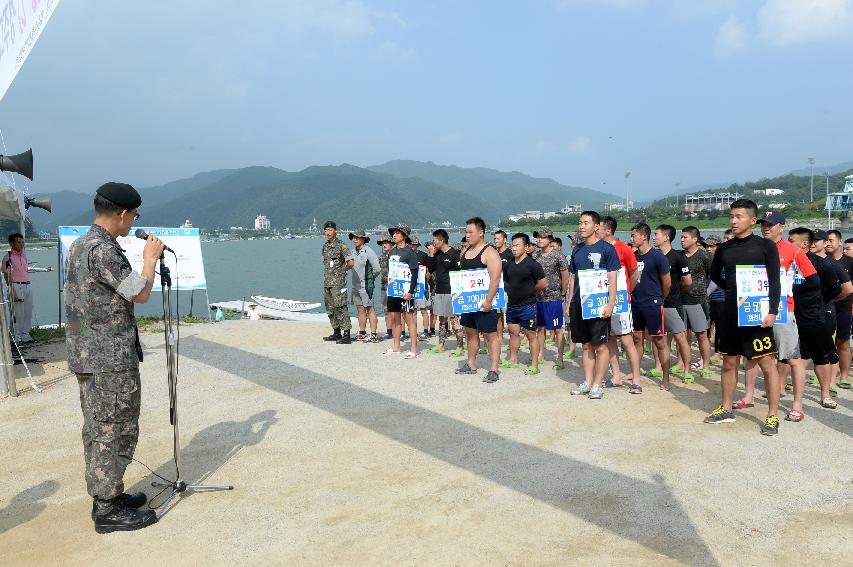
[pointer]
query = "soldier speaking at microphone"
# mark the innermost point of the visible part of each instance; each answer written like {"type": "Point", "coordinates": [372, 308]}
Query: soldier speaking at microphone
{"type": "Point", "coordinates": [104, 352]}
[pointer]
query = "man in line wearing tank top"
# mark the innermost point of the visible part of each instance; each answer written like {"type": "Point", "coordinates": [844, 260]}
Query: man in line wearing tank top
{"type": "Point", "coordinates": [480, 255]}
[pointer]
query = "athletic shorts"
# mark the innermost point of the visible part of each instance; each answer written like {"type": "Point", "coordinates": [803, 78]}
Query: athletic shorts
{"type": "Point", "coordinates": [483, 321]}
{"type": "Point", "coordinates": [397, 305]}
{"type": "Point", "coordinates": [674, 317]}
{"type": "Point", "coordinates": [717, 308]}
{"type": "Point", "coordinates": [384, 297]}
{"type": "Point", "coordinates": [422, 303]}
{"type": "Point", "coordinates": [362, 297]}
{"type": "Point", "coordinates": [549, 314]}
{"type": "Point", "coordinates": [594, 331]}
{"type": "Point", "coordinates": [442, 305]}
{"type": "Point", "coordinates": [787, 339]}
{"type": "Point", "coordinates": [843, 322]}
{"type": "Point", "coordinates": [817, 344]}
{"type": "Point", "coordinates": [695, 318]}
{"type": "Point", "coordinates": [622, 324]}
{"type": "Point", "coordinates": [751, 342]}
{"type": "Point", "coordinates": [524, 315]}
{"type": "Point", "coordinates": [648, 318]}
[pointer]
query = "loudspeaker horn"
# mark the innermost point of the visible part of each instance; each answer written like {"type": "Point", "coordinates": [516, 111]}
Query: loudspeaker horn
{"type": "Point", "coordinates": [46, 204]}
{"type": "Point", "coordinates": [20, 163]}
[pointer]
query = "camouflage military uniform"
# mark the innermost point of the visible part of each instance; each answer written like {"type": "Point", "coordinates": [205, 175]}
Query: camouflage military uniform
{"type": "Point", "coordinates": [335, 258]}
{"type": "Point", "coordinates": [104, 352]}
{"type": "Point", "coordinates": [383, 268]}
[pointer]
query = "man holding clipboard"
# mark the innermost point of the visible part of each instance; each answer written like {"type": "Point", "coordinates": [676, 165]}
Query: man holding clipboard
{"type": "Point", "coordinates": [743, 331]}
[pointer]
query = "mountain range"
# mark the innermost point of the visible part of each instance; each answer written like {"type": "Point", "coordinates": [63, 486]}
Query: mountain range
{"type": "Point", "coordinates": [417, 193]}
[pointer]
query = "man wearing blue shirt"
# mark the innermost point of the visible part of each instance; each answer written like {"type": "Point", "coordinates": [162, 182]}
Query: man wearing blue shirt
{"type": "Point", "coordinates": [648, 295]}
{"type": "Point", "coordinates": [592, 254]}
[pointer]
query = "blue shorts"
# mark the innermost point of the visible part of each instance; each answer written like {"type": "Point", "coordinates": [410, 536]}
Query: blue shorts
{"type": "Point", "coordinates": [549, 314]}
{"type": "Point", "coordinates": [483, 321]}
{"type": "Point", "coordinates": [648, 318]}
{"type": "Point", "coordinates": [524, 315]}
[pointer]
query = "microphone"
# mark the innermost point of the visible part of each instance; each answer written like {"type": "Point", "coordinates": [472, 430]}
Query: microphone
{"type": "Point", "coordinates": [144, 236]}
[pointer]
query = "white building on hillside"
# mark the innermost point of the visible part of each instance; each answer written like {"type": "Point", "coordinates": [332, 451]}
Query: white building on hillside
{"type": "Point", "coordinates": [262, 223]}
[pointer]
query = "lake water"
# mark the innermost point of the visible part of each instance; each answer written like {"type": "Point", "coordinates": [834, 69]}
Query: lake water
{"type": "Point", "coordinates": [235, 269]}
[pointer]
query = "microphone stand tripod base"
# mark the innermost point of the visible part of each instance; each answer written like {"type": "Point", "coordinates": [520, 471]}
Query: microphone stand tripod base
{"type": "Point", "coordinates": [179, 486]}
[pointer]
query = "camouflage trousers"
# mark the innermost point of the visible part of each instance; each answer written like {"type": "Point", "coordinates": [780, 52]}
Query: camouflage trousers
{"type": "Point", "coordinates": [110, 402]}
{"type": "Point", "coordinates": [336, 308]}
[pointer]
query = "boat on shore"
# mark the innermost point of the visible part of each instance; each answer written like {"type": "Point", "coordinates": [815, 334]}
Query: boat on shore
{"type": "Point", "coordinates": [283, 304]}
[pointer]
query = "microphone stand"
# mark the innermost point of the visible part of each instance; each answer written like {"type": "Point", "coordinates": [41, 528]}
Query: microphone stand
{"type": "Point", "coordinates": [179, 486]}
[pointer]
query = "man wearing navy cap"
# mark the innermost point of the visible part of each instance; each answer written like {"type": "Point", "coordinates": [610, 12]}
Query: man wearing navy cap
{"type": "Point", "coordinates": [104, 352]}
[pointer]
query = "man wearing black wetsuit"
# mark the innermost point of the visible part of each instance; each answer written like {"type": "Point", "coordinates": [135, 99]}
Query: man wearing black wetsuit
{"type": "Point", "coordinates": [754, 343]}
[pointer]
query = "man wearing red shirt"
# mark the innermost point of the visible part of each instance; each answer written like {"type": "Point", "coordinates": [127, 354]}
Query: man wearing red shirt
{"type": "Point", "coordinates": [622, 325]}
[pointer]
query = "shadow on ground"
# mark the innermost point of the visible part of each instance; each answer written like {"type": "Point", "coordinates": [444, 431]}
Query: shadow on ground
{"type": "Point", "coordinates": [208, 451]}
{"type": "Point", "coordinates": [26, 505]}
{"type": "Point", "coordinates": [642, 511]}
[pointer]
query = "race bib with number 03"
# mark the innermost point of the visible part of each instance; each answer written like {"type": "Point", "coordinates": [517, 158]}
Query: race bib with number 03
{"type": "Point", "coordinates": [753, 303]}
{"type": "Point", "coordinates": [594, 292]}
{"type": "Point", "coordinates": [469, 288]}
{"type": "Point", "coordinates": [400, 278]}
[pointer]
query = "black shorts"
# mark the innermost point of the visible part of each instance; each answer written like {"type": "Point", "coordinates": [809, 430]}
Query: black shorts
{"type": "Point", "coordinates": [397, 305]}
{"type": "Point", "coordinates": [717, 309]}
{"type": "Point", "coordinates": [751, 342]}
{"type": "Point", "coordinates": [843, 322]}
{"type": "Point", "coordinates": [483, 321]}
{"type": "Point", "coordinates": [594, 331]}
{"type": "Point", "coordinates": [648, 318]}
{"type": "Point", "coordinates": [817, 344]}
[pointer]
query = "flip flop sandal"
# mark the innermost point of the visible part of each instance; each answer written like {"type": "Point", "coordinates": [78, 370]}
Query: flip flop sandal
{"type": "Point", "coordinates": [608, 383]}
{"type": "Point", "coordinates": [740, 404]}
{"type": "Point", "coordinates": [635, 388]}
{"type": "Point", "coordinates": [833, 390]}
{"type": "Point", "coordinates": [391, 351]}
{"type": "Point", "coordinates": [531, 370]}
{"type": "Point", "coordinates": [688, 379]}
{"type": "Point", "coordinates": [845, 384]}
{"type": "Point", "coordinates": [696, 364]}
{"type": "Point", "coordinates": [829, 403]}
{"type": "Point", "coordinates": [484, 351]}
{"type": "Point", "coordinates": [795, 415]}
{"type": "Point", "coordinates": [654, 373]}
{"type": "Point", "coordinates": [410, 355]}
{"type": "Point", "coordinates": [666, 386]}
{"type": "Point", "coordinates": [559, 365]}
{"type": "Point", "coordinates": [508, 364]}
{"type": "Point", "coordinates": [814, 381]}
{"type": "Point", "coordinates": [457, 353]}
{"type": "Point", "coordinates": [675, 370]}
{"type": "Point", "coordinates": [706, 372]}
{"type": "Point", "coordinates": [789, 387]}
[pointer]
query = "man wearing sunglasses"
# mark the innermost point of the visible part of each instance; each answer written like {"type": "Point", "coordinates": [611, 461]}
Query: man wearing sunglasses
{"type": "Point", "coordinates": [104, 352]}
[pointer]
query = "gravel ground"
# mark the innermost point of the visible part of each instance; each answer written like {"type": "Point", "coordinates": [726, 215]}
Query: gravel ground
{"type": "Point", "coordinates": [341, 455]}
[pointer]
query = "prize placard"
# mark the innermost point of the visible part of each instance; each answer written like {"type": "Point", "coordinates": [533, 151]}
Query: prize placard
{"type": "Point", "coordinates": [400, 279]}
{"type": "Point", "coordinates": [753, 302]}
{"type": "Point", "coordinates": [469, 288]}
{"type": "Point", "coordinates": [594, 292]}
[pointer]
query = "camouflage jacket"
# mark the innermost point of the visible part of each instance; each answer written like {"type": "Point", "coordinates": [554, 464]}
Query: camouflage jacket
{"type": "Point", "coordinates": [383, 267]}
{"type": "Point", "coordinates": [335, 258]}
{"type": "Point", "coordinates": [100, 328]}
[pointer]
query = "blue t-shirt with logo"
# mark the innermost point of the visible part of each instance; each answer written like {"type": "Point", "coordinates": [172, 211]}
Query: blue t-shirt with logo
{"type": "Point", "coordinates": [650, 266]}
{"type": "Point", "coordinates": [585, 256]}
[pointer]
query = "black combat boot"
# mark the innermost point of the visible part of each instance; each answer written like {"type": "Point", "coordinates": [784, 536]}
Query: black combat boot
{"type": "Point", "coordinates": [344, 339]}
{"type": "Point", "coordinates": [124, 500]}
{"type": "Point", "coordinates": [334, 336]}
{"type": "Point", "coordinates": [123, 519]}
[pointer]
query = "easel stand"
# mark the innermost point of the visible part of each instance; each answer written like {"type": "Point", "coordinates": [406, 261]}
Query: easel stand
{"type": "Point", "coordinates": [178, 486]}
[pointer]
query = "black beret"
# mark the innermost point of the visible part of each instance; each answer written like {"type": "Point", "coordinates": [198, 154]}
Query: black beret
{"type": "Point", "coordinates": [121, 194]}
{"type": "Point", "coordinates": [330, 224]}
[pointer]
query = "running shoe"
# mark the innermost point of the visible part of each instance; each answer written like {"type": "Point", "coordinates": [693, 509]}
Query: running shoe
{"type": "Point", "coordinates": [465, 369]}
{"type": "Point", "coordinates": [596, 393]}
{"type": "Point", "coordinates": [491, 377]}
{"type": "Point", "coordinates": [424, 336]}
{"type": "Point", "coordinates": [582, 389]}
{"type": "Point", "coordinates": [720, 415]}
{"type": "Point", "coordinates": [770, 425]}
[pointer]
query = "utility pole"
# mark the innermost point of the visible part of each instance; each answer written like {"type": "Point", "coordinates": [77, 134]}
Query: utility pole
{"type": "Point", "coordinates": [811, 164]}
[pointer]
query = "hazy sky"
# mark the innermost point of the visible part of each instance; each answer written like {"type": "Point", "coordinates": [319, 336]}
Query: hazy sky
{"type": "Point", "coordinates": [696, 91]}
